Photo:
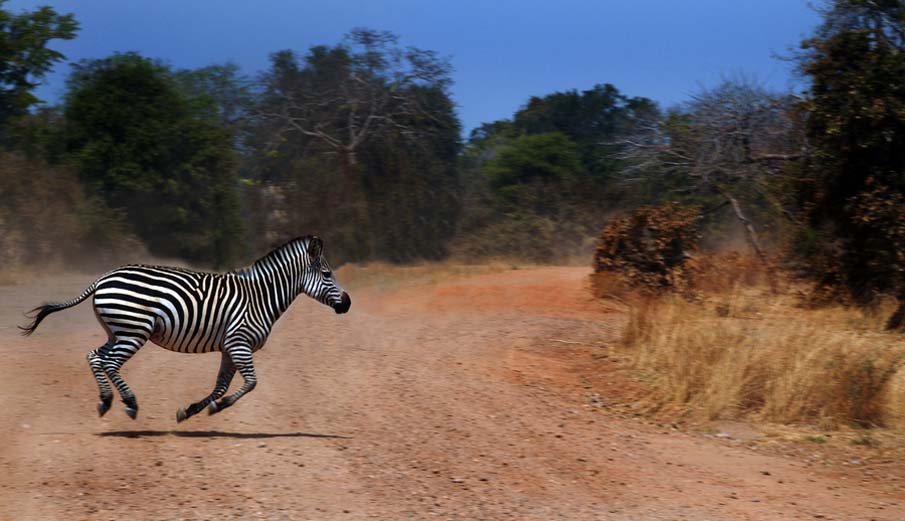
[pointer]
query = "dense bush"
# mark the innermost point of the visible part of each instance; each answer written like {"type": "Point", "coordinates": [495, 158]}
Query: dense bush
{"type": "Point", "coordinates": [139, 142]}
{"type": "Point", "coordinates": [46, 217]}
{"type": "Point", "coordinates": [649, 248]}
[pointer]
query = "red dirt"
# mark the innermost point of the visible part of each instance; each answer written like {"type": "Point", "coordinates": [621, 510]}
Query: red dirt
{"type": "Point", "coordinates": [477, 398]}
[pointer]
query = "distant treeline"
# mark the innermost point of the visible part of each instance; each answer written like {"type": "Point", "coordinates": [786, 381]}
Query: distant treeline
{"type": "Point", "coordinates": [359, 142]}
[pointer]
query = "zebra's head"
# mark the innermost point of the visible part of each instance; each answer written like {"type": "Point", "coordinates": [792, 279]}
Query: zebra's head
{"type": "Point", "coordinates": [319, 282]}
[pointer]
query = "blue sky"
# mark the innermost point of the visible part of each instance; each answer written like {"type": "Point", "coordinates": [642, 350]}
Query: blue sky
{"type": "Point", "coordinates": [502, 51]}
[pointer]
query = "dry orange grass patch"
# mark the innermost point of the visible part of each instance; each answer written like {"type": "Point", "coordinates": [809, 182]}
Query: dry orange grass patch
{"type": "Point", "coordinates": [746, 352]}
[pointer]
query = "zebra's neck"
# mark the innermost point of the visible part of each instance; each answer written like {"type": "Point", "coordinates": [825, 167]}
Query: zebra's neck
{"type": "Point", "coordinates": [276, 289]}
{"type": "Point", "coordinates": [277, 279]}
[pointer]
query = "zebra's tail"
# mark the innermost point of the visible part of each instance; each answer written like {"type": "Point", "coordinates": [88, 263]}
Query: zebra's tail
{"type": "Point", "coordinates": [38, 314]}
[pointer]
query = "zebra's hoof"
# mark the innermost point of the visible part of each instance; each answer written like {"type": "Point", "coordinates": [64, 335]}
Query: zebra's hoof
{"type": "Point", "coordinates": [213, 408]}
{"type": "Point", "coordinates": [102, 407]}
{"type": "Point", "coordinates": [181, 415]}
{"type": "Point", "coordinates": [133, 413]}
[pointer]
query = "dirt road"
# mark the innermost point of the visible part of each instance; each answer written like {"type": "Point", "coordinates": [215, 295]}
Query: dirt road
{"type": "Point", "coordinates": [471, 398]}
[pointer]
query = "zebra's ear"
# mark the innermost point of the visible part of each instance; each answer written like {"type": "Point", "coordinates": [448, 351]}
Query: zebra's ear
{"type": "Point", "coordinates": [315, 247]}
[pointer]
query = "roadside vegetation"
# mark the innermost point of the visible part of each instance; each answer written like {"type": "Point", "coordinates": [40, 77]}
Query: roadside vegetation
{"type": "Point", "coordinates": [805, 326]}
{"type": "Point", "coordinates": [743, 351]}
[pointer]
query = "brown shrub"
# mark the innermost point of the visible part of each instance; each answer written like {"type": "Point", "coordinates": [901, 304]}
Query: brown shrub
{"type": "Point", "coordinates": [47, 218]}
{"type": "Point", "coordinates": [649, 248]}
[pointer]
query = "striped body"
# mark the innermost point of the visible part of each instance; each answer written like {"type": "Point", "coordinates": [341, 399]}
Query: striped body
{"type": "Point", "coordinates": [196, 312]}
{"type": "Point", "coordinates": [179, 310]}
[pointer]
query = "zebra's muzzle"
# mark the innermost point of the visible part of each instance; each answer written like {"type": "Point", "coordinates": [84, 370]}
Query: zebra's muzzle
{"type": "Point", "coordinates": [343, 305]}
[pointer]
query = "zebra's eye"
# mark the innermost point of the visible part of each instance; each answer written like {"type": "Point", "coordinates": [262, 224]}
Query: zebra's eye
{"type": "Point", "coordinates": [327, 274]}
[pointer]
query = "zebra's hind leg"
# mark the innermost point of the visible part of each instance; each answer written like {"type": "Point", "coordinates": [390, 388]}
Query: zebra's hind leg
{"type": "Point", "coordinates": [112, 360]}
{"type": "Point", "coordinates": [241, 358]}
{"type": "Point", "coordinates": [97, 369]}
{"type": "Point", "coordinates": [224, 377]}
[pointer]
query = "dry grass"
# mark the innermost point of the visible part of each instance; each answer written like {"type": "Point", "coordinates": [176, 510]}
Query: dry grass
{"type": "Point", "coordinates": [746, 352]}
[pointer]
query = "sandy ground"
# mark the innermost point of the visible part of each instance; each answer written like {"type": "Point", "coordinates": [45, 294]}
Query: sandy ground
{"type": "Point", "coordinates": [473, 398]}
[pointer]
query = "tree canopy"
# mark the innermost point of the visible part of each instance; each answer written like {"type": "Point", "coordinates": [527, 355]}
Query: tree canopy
{"type": "Point", "coordinates": [359, 141]}
{"type": "Point", "coordinates": [150, 151]}
{"type": "Point", "coordinates": [546, 174]}
{"type": "Point", "coordinates": [344, 96]}
{"type": "Point", "coordinates": [25, 56]}
{"type": "Point", "coordinates": [855, 171]}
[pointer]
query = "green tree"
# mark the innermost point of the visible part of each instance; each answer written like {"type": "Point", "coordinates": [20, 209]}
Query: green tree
{"type": "Point", "coordinates": [38, 134]}
{"type": "Point", "coordinates": [591, 118]}
{"type": "Point", "coordinates": [220, 92]}
{"type": "Point", "coordinates": [342, 97]}
{"type": "Point", "coordinates": [132, 135]}
{"type": "Point", "coordinates": [856, 130]}
{"type": "Point", "coordinates": [540, 185]}
{"type": "Point", "coordinates": [358, 142]}
{"type": "Point", "coordinates": [535, 173]}
{"type": "Point", "coordinates": [412, 185]}
{"type": "Point", "coordinates": [25, 57]}
{"type": "Point", "coordinates": [524, 200]}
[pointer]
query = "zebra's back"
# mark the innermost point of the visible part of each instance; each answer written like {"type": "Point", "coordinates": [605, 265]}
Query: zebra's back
{"type": "Point", "coordinates": [178, 309]}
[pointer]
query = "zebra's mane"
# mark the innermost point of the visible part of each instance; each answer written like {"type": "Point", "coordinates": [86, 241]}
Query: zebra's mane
{"type": "Point", "coordinates": [272, 253]}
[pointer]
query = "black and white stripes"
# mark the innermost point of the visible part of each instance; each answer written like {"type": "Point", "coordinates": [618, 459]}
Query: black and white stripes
{"type": "Point", "coordinates": [195, 312]}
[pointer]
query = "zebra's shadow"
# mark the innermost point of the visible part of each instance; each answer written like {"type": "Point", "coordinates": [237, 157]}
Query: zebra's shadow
{"type": "Point", "coordinates": [217, 434]}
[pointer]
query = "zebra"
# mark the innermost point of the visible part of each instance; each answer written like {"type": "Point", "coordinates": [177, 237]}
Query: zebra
{"type": "Point", "coordinates": [198, 312]}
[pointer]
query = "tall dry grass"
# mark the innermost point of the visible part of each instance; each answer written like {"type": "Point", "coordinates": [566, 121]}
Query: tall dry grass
{"type": "Point", "coordinates": [744, 351]}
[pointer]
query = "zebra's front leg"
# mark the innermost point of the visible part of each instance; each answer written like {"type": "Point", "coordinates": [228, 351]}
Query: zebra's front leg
{"type": "Point", "coordinates": [224, 377]}
{"type": "Point", "coordinates": [103, 385]}
{"type": "Point", "coordinates": [241, 358]}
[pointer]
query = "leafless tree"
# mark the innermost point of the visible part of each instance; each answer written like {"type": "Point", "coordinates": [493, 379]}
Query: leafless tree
{"type": "Point", "coordinates": [344, 96]}
{"type": "Point", "coordinates": [725, 140]}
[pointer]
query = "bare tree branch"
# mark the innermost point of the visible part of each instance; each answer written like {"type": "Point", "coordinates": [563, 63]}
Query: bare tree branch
{"type": "Point", "coordinates": [345, 96]}
{"type": "Point", "coordinates": [725, 139]}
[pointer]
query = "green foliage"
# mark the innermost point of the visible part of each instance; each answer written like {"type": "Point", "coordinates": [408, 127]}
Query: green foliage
{"type": "Point", "coordinates": [489, 135]}
{"type": "Point", "coordinates": [592, 119]}
{"type": "Point", "coordinates": [219, 93]}
{"type": "Point", "coordinates": [855, 176]}
{"type": "Point", "coordinates": [878, 223]}
{"type": "Point", "coordinates": [38, 134]}
{"type": "Point", "coordinates": [540, 185]}
{"type": "Point", "coordinates": [524, 201]}
{"type": "Point", "coordinates": [534, 173]}
{"type": "Point", "coordinates": [131, 134]}
{"type": "Point", "coordinates": [411, 189]}
{"type": "Point", "coordinates": [25, 57]}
